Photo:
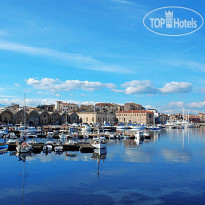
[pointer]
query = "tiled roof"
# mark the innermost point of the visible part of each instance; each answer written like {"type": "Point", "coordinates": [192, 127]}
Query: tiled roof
{"type": "Point", "coordinates": [136, 111]}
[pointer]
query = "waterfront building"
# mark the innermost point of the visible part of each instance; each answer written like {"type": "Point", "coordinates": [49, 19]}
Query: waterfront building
{"type": "Point", "coordinates": [135, 117]}
{"type": "Point", "coordinates": [202, 117]}
{"type": "Point", "coordinates": [74, 118]}
{"type": "Point", "coordinates": [97, 117]}
{"type": "Point", "coordinates": [19, 116]}
{"type": "Point", "coordinates": [86, 108]}
{"type": "Point", "coordinates": [54, 118]}
{"type": "Point", "coordinates": [49, 108]}
{"type": "Point", "coordinates": [33, 118]}
{"type": "Point", "coordinates": [133, 106]}
{"type": "Point", "coordinates": [6, 116]}
{"type": "Point", "coordinates": [162, 118]}
{"type": "Point", "coordinates": [108, 107]}
{"type": "Point", "coordinates": [66, 107]}
{"type": "Point", "coordinates": [44, 117]}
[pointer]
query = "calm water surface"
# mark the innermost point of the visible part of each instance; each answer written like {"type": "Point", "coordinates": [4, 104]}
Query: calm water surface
{"type": "Point", "coordinates": [168, 169]}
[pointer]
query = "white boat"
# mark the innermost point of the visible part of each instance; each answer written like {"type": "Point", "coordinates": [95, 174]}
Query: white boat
{"type": "Point", "coordinates": [1, 134]}
{"type": "Point", "coordinates": [32, 130]}
{"type": "Point", "coordinates": [49, 135]}
{"type": "Point", "coordinates": [85, 128]}
{"type": "Point", "coordinates": [146, 134]}
{"type": "Point", "coordinates": [122, 127]}
{"type": "Point", "coordinates": [11, 142]}
{"type": "Point", "coordinates": [119, 136]}
{"type": "Point", "coordinates": [58, 148]}
{"type": "Point", "coordinates": [191, 125]}
{"type": "Point", "coordinates": [137, 127]}
{"type": "Point", "coordinates": [70, 142]}
{"type": "Point", "coordinates": [99, 144]}
{"type": "Point", "coordinates": [97, 137]}
{"type": "Point", "coordinates": [47, 148]}
{"type": "Point", "coordinates": [49, 143]}
{"type": "Point", "coordinates": [125, 137]}
{"type": "Point", "coordinates": [154, 128]}
{"type": "Point", "coordinates": [139, 135]}
{"type": "Point", "coordinates": [62, 135]}
{"type": "Point", "coordinates": [111, 136]}
{"type": "Point", "coordinates": [13, 136]}
{"type": "Point", "coordinates": [31, 142]}
{"type": "Point", "coordinates": [24, 148]}
{"type": "Point", "coordinates": [5, 131]}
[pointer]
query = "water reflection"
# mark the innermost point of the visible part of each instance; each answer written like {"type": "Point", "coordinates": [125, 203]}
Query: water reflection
{"type": "Point", "coordinates": [168, 165]}
{"type": "Point", "coordinates": [176, 155]}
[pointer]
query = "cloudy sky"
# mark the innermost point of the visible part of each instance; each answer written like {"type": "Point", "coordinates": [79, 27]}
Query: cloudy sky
{"type": "Point", "coordinates": [88, 51]}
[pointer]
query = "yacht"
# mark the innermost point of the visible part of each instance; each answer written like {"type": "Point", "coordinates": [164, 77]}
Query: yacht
{"type": "Point", "coordinates": [98, 142]}
{"type": "Point", "coordinates": [47, 148]}
{"type": "Point", "coordinates": [58, 148]}
{"type": "Point", "coordinates": [24, 148]}
{"type": "Point", "coordinates": [86, 128]}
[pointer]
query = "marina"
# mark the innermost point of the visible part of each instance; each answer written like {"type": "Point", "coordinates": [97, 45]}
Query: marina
{"type": "Point", "coordinates": [148, 166]}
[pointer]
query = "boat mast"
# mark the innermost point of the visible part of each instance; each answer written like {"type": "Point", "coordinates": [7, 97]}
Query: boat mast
{"type": "Point", "coordinates": [98, 160]}
{"type": "Point", "coordinates": [140, 117]}
{"type": "Point", "coordinates": [24, 110]}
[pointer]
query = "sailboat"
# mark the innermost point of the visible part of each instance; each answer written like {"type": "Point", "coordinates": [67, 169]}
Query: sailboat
{"type": "Point", "coordinates": [24, 147]}
{"type": "Point", "coordinates": [99, 143]}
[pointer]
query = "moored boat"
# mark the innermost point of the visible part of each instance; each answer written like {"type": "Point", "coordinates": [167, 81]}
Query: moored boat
{"type": "Point", "coordinates": [24, 148]}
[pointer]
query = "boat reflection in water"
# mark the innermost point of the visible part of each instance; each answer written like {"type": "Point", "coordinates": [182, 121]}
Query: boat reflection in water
{"type": "Point", "coordinates": [100, 156]}
{"type": "Point", "coordinates": [22, 157]}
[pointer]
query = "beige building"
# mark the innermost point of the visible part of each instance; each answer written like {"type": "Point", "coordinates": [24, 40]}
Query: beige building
{"type": "Point", "coordinates": [202, 117]}
{"type": "Point", "coordinates": [133, 106]}
{"type": "Point", "coordinates": [97, 117]}
{"type": "Point", "coordinates": [66, 107]}
{"type": "Point", "coordinates": [86, 107]}
{"type": "Point", "coordinates": [108, 107]}
{"type": "Point", "coordinates": [135, 116]}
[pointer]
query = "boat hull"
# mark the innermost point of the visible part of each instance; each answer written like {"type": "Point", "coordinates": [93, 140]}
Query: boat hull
{"type": "Point", "coordinates": [99, 145]}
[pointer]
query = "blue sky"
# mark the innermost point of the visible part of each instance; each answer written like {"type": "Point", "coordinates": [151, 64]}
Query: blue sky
{"type": "Point", "coordinates": [98, 51]}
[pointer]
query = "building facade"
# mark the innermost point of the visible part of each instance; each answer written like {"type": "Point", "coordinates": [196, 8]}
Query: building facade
{"type": "Point", "coordinates": [66, 107]}
{"type": "Point", "coordinates": [133, 106]}
{"type": "Point", "coordinates": [135, 117]}
{"type": "Point", "coordinates": [97, 117]}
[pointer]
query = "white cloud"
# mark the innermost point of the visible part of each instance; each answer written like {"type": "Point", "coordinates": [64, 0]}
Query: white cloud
{"type": "Point", "coordinates": [176, 88]}
{"type": "Point", "coordinates": [197, 104]}
{"type": "Point", "coordinates": [38, 101]}
{"type": "Point", "coordinates": [77, 60]}
{"type": "Point", "coordinates": [139, 87]}
{"type": "Point", "coordinates": [176, 104]}
{"type": "Point", "coordinates": [16, 85]}
{"type": "Point", "coordinates": [131, 87]}
{"type": "Point", "coordinates": [122, 1]}
{"type": "Point", "coordinates": [55, 85]}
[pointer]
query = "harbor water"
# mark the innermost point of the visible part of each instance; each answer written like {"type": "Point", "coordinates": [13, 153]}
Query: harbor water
{"type": "Point", "coordinates": [169, 168]}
